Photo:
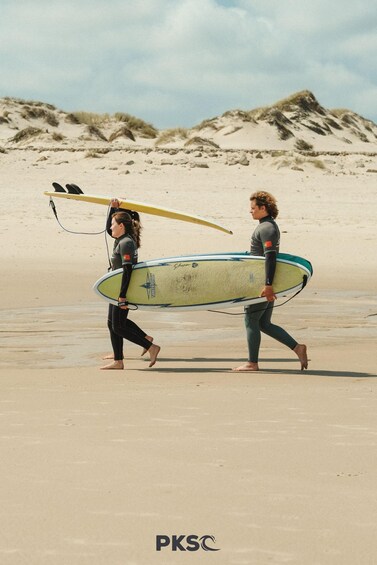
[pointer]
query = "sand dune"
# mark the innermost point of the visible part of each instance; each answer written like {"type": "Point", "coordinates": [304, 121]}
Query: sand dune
{"type": "Point", "coordinates": [298, 122]}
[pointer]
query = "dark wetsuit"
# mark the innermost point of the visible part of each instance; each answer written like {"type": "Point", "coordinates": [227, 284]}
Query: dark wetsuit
{"type": "Point", "coordinates": [120, 327]}
{"type": "Point", "coordinates": [264, 241]}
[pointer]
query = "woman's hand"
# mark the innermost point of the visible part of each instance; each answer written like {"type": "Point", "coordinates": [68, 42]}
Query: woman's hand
{"type": "Point", "coordinates": [122, 303]}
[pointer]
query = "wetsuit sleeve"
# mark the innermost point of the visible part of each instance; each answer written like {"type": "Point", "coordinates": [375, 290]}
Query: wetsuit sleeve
{"type": "Point", "coordinates": [270, 268]}
{"type": "Point", "coordinates": [109, 219]}
{"type": "Point", "coordinates": [127, 271]}
{"type": "Point", "coordinates": [270, 242]}
{"type": "Point", "coordinates": [127, 251]}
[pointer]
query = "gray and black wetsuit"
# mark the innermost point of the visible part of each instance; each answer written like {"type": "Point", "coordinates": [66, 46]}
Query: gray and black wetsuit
{"type": "Point", "coordinates": [120, 327]}
{"type": "Point", "coordinates": [265, 242]}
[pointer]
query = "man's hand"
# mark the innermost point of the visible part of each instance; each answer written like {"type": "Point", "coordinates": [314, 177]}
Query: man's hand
{"type": "Point", "coordinates": [268, 293]}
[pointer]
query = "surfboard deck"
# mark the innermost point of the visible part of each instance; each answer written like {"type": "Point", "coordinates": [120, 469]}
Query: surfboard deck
{"type": "Point", "coordinates": [142, 207]}
{"type": "Point", "coordinates": [200, 282]}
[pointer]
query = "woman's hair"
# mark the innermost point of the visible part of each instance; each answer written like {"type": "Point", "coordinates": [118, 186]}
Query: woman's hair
{"type": "Point", "coordinates": [126, 220]}
{"type": "Point", "coordinates": [135, 218]}
{"type": "Point", "coordinates": [137, 232]}
{"type": "Point", "coordinates": [263, 198]}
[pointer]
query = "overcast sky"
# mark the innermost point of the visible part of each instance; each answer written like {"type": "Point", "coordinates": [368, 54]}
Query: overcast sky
{"type": "Point", "coordinates": [177, 62]}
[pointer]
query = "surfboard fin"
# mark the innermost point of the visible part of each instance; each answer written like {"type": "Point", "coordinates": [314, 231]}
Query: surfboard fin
{"type": "Point", "coordinates": [73, 189]}
{"type": "Point", "coordinates": [58, 187]}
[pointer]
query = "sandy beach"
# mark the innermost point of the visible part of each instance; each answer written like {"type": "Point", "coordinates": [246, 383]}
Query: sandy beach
{"type": "Point", "coordinates": [279, 466]}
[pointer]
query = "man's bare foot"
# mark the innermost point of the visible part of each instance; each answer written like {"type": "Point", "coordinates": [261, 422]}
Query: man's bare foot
{"type": "Point", "coordinates": [301, 353]}
{"type": "Point", "coordinates": [249, 367]}
{"type": "Point", "coordinates": [117, 365]}
{"type": "Point", "coordinates": [154, 350]}
{"type": "Point", "coordinates": [109, 356]}
{"type": "Point", "coordinates": [149, 338]}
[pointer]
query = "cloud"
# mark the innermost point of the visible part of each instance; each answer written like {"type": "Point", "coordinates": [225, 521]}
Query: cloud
{"type": "Point", "coordinates": [178, 62]}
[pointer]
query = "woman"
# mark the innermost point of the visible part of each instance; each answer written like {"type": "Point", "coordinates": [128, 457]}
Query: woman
{"type": "Point", "coordinates": [115, 207]}
{"type": "Point", "coordinates": [125, 256]}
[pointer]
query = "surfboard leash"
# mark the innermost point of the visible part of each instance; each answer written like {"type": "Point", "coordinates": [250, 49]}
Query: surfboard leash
{"type": "Point", "coordinates": [53, 207]}
{"type": "Point", "coordinates": [304, 283]}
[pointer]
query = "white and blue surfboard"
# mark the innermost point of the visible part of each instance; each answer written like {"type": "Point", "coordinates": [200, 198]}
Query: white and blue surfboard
{"type": "Point", "coordinates": [201, 282]}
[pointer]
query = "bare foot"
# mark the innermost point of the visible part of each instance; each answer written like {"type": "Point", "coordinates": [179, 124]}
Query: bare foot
{"type": "Point", "coordinates": [301, 353]}
{"type": "Point", "coordinates": [149, 338]}
{"type": "Point", "coordinates": [154, 350]}
{"type": "Point", "coordinates": [249, 367]}
{"type": "Point", "coordinates": [109, 356]}
{"type": "Point", "coordinates": [117, 365]}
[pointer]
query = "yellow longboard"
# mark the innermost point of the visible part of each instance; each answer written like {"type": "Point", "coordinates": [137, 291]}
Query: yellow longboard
{"type": "Point", "coordinates": [140, 207]}
{"type": "Point", "coordinates": [200, 282]}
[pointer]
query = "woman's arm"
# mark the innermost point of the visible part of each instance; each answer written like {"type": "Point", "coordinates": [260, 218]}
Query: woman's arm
{"type": "Point", "coordinates": [126, 277]}
{"type": "Point", "coordinates": [127, 250]}
{"type": "Point", "coordinates": [114, 208]}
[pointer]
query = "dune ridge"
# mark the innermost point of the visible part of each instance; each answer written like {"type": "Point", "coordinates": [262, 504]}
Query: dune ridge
{"type": "Point", "coordinates": [297, 122]}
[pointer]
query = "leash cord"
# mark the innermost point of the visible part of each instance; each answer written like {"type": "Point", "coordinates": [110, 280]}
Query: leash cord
{"type": "Point", "coordinates": [104, 231]}
{"type": "Point", "coordinates": [304, 281]}
{"type": "Point", "coordinates": [53, 207]}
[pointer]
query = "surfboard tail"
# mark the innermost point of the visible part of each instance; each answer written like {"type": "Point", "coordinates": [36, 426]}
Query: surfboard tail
{"type": "Point", "coordinates": [58, 187]}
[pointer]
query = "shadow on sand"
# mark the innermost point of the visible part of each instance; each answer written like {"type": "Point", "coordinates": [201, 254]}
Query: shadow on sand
{"type": "Point", "coordinates": [203, 370]}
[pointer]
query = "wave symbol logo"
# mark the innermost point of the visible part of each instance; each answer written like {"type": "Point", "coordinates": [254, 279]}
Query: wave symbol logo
{"type": "Point", "coordinates": [203, 541]}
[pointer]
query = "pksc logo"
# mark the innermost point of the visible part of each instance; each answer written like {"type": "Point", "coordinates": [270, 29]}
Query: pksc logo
{"type": "Point", "coordinates": [186, 543]}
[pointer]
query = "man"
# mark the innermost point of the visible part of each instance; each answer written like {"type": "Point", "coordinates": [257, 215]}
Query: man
{"type": "Point", "coordinates": [265, 241]}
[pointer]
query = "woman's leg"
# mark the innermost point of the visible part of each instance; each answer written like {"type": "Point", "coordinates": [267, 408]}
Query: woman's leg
{"type": "Point", "coordinates": [116, 342]}
{"type": "Point", "coordinates": [134, 328]}
{"type": "Point", "coordinates": [129, 332]}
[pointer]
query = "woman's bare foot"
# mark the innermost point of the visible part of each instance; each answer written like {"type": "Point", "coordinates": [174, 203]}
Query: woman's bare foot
{"type": "Point", "coordinates": [109, 356]}
{"type": "Point", "coordinates": [301, 353]}
{"type": "Point", "coordinates": [154, 350]}
{"type": "Point", "coordinates": [249, 367]}
{"type": "Point", "coordinates": [149, 338]}
{"type": "Point", "coordinates": [117, 365]}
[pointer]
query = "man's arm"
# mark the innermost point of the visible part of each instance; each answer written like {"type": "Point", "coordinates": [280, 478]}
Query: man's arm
{"type": "Point", "coordinates": [270, 267]}
{"type": "Point", "coordinates": [270, 240]}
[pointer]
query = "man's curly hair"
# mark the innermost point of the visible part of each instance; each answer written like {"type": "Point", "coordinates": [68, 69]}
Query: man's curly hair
{"type": "Point", "coordinates": [263, 198]}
